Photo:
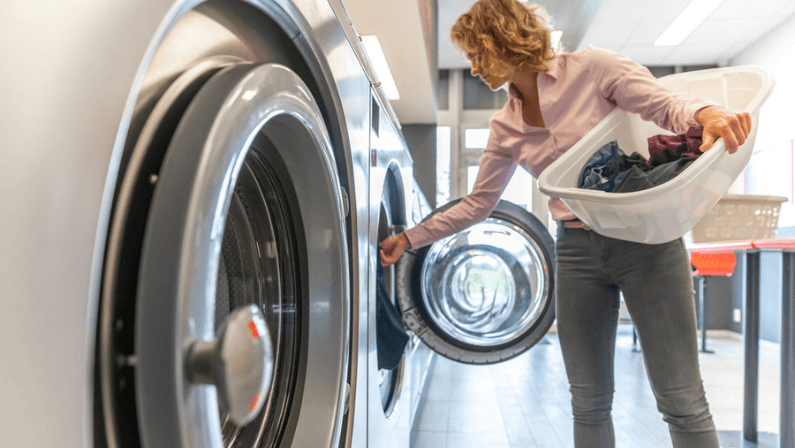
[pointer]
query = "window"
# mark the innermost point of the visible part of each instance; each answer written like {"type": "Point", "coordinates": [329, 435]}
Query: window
{"type": "Point", "coordinates": [476, 138]}
{"type": "Point", "coordinates": [442, 165]}
{"type": "Point", "coordinates": [519, 189]}
{"type": "Point", "coordinates": [443, 90]}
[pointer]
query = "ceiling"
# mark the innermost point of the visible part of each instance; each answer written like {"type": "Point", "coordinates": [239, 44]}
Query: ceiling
{"type": "Point", "coordinates": [625, 26]}
{"type": "Point", "coordinates": [630, 27]}
{"type": "Point", "coordinates": [398, 25]}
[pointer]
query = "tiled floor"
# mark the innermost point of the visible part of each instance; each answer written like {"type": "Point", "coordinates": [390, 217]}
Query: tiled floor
{"type": "Point", "coordinates": [525, 403]}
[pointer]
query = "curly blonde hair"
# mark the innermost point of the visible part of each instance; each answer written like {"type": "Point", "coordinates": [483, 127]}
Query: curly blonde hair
{"type": "Point", "coordinates": [497, 35]}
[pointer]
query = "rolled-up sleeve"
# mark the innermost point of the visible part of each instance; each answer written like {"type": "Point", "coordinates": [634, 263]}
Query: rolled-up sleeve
{"type": "Point", "coordinates": [496, 168]}
{"type": "Point", "coordinates": [631, 87]}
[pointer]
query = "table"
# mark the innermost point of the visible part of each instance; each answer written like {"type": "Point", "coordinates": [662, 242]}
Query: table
{"type": "Point", "coordinates": [751, 331]}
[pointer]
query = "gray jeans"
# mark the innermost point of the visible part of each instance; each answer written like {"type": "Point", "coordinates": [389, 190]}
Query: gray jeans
{"type": "Point", "coordinates": [657, 284]}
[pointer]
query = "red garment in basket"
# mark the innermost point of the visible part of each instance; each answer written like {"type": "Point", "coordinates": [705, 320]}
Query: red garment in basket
{"type": "Point", "coordinates": [668, 148]}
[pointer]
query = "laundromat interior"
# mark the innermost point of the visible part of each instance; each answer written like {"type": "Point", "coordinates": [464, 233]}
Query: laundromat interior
{"type": "Point", "coordinates": [194, 197]}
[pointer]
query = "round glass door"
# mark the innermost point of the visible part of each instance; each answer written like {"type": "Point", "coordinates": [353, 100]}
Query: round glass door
{"type": "Point", "coordinates": [485, 294]}
{"type": "Point", "coordinates": [243, 212]}
{"type": "Point", "coordinates": [486, 285]}
{"type": "Point", "coordinates": [257, 267]}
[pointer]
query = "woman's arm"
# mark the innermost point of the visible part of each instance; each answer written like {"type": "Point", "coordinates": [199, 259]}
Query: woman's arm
{"type": "Point", "coordinates": [633, 88]}
{"type": "Point", "coordinates": [496, 169]}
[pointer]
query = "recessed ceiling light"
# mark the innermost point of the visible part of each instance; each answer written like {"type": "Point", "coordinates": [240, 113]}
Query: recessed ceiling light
{"type": "Point", "coordinates": [686, 22]}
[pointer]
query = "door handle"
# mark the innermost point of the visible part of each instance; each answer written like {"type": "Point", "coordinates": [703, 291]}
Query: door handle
{"type": "Point", "coordinates": [239, 363]}
{"type": "Point", "coordinates": [396, 228]}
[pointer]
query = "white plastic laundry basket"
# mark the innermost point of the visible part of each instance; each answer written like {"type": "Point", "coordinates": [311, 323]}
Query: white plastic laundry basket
{"type": "Point", "coordinates": [668, 211]}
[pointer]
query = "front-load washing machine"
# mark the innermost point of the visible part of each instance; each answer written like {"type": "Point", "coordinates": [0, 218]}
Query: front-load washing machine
{"type": "Point", "coordinates": [186, 245]}
{"type": "Point", "coordinates": [390, 393]}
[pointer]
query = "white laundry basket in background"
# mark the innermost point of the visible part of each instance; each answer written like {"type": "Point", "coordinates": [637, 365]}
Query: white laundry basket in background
{"type": "Point", "coordinates": [668, 211]}
{"type": "Point", "coordinates": [739, 217]}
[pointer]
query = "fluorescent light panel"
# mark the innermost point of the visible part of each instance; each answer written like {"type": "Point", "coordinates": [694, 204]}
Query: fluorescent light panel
{"type": "Point", "coordinates": [377, 58]}
{"type": "Point", "coordinates": [686, 22]}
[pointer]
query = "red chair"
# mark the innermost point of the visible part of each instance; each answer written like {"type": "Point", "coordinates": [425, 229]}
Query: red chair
{"type": "Point", "coordinates": [706, 265]}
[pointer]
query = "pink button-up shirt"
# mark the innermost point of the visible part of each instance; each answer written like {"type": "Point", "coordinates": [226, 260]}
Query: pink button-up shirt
{"type": "Point", "coordinates": [577, 92]}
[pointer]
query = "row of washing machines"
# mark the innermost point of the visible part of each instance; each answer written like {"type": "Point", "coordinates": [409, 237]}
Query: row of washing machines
{"type": "Point", "coordinates": [192, 195]}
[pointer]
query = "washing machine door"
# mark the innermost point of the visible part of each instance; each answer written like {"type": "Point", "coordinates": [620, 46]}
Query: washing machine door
{"type": "Point", "coordinates": [485, 294]}
{"type": "Point", "coordinates": [239, 333]}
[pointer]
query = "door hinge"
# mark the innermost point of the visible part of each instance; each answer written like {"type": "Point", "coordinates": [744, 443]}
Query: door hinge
{"type": "Point", "coordinates": [413, 321]}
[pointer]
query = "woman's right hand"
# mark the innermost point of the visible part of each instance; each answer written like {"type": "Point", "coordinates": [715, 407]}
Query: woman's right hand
{"type": "Point", "coordinates": [392, 248]}
{"type": "Point", "coordinates": [719, 122]}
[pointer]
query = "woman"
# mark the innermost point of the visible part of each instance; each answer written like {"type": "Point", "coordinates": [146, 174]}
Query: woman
{"type": "Point", "coordinates": [554, 100]}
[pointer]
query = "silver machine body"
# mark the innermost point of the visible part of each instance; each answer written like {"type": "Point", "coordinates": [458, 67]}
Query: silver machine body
{"type": "Point", "coordinates": [87, 88]}
{"type": "Point", "coordinates": [394, 396]}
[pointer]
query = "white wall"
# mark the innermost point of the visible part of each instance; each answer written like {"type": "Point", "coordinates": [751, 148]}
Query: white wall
{"type": "Point", "coordinates": [776, 52]}
{"type": "Point", "coordinates": [776, 130]}
{"type": "Point", "coordinates": [399, 27]}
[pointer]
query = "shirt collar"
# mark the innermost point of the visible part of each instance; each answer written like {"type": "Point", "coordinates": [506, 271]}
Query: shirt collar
{"type": "Point", "coordinates": [554, 68]}
{"type": "Point", "coordinates": [552, 73]}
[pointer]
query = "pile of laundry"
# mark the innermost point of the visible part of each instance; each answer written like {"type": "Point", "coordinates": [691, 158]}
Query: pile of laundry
{"type": "Point", "coordinates": [610, 169]}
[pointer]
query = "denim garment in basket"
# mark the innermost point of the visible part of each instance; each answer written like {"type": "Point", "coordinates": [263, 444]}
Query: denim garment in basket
{"type": "Point", "coordinates": [641, 178]}
{"type": "Point", "coordinates": [607, 167]}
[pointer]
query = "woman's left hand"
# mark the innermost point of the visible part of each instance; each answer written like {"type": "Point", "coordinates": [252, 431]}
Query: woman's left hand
{"type": "Point", "coordinates": [720, 122]}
